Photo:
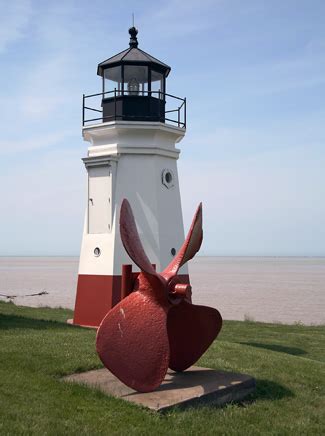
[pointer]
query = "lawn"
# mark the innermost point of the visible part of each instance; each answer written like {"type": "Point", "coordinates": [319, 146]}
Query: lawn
{"type": "Point", "coordinates": [38, 348]}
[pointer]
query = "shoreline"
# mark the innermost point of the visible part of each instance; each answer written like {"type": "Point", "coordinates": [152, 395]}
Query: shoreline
{"type": "Point", "coordinates": [285, 290]}
{"type": "Point", "coordinates": [248, 321]}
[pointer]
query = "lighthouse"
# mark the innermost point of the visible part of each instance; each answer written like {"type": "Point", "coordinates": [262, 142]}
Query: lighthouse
{"type": "Point", "coordinates": [132, 128]}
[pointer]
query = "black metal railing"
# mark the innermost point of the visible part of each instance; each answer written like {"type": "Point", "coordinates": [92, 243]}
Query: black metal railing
{"type": "Point", "coordinates": [170, 110]}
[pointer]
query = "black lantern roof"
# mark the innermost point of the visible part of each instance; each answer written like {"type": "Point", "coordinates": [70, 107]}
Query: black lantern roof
{"type": "Point", "coordinates": [133, 56]}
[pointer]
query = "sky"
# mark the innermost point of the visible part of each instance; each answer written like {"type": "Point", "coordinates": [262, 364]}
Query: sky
{"type": "Point", "coordinates": [253, 73]}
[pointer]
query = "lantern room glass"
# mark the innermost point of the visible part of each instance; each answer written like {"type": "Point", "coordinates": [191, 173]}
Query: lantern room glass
{"type": "Point", "coordinates": [135, 80]}
{"type": "Point", "coordinates": [157, 84]}
{"type": "Point", "coordinates": [112, 79]}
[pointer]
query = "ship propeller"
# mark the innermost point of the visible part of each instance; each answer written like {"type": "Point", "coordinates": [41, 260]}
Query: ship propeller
{"type": "Point", "coordinates": [156, 326]}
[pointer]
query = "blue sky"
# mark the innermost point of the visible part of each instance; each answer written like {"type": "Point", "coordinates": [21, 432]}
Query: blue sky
{"type": "Point", "coordinates": [254, 75]}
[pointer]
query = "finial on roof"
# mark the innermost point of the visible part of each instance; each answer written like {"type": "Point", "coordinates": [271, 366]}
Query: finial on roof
{"type": "Point", "coordinates": [133, 37]}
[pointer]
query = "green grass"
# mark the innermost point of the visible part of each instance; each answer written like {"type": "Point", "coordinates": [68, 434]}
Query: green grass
{"type": "Point", "coordinates": [38, 348]}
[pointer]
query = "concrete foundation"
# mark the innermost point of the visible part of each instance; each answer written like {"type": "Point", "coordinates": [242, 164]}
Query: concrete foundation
{"type": "Point", "coordinates": [196, 385]}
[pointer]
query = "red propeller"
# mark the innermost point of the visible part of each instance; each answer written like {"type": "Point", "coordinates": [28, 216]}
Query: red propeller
{"type": "Point", "coordinates": [156, 326]}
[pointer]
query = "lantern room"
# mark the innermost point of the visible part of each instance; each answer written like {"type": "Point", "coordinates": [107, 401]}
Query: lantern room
{"type": "Point", "coordinates": [133, 85]}
{"type": "Point", "coordinates": [134, 89]}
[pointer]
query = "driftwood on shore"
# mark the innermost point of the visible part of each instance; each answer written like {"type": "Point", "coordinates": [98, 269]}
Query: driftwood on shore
{"type": "Point", "coordinates": [11, 297]}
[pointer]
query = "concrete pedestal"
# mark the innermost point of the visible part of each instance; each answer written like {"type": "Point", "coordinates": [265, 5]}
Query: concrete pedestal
{"type": "Point", "coordinates": [196, 385]}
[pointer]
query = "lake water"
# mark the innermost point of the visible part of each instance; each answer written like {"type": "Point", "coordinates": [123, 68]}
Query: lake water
{"type": "Point", "coordinates": [269, 289]}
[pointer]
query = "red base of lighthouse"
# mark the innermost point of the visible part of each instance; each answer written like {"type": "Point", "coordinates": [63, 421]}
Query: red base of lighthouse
{"type": "Point", "coordinates": [96, 295]}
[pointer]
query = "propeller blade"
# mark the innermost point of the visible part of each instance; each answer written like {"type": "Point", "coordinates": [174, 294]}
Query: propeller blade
{"type": "Point", "coordinates": [189, 248]}
{"type": "Point", "coordinates": [132, 340]}
{"type": "Point", "coordinates": [131, 240]}
{"type": "Point", "coordinates": [191, 330]}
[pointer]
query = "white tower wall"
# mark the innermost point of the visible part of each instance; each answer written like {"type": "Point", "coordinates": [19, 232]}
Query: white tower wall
{"type": "Point", "coordinates": [137, 161]}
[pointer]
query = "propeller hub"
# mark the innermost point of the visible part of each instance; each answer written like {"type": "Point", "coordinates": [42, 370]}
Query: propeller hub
{"type": "Point", "coordinates": [177, 291]}
{"type": "Point", "coordinates": [181, 289]}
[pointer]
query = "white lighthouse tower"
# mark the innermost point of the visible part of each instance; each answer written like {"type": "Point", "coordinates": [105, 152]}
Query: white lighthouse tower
{"type": "Point", "coordinates": [132, 136]}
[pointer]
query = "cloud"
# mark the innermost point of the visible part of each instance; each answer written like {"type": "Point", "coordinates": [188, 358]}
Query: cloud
{"type": "Point", "coordinates": [46, 87]}
{"type": "Point", "coordinates": [265, 76]}
{"type": "Point", "coordinates": [178, 18]}
{"type": "Point", "coordinates": [35, 142]}
{"type": "Point", "coordinates": [302, 71]}
{"type": "Point", "coordinates": [269, 203]}
{"type": "Point", "coordinates": [229, 143]}
{"type": "Point", "coordinates": [14, 19]}
{"type": "Point", "coordinates": [43, 203]}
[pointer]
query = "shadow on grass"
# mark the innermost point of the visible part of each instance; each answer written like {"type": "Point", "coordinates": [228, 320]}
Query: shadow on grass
{"type": "Point", "coordinates": [275, 347]}
{"type": "Point", "coordinates": [8, 322]}
{"type": "Point", "coordinates": [269, 390]}
{"type": "Point", "coordinates": [266, 390]}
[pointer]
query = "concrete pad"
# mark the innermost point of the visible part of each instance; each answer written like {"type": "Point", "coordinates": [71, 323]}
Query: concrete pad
{"type": "Point", "coordinates": [196, 385]}
{"type": "Point", "coordinates": [70, 321]}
